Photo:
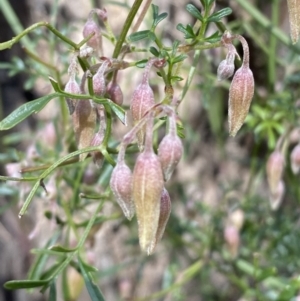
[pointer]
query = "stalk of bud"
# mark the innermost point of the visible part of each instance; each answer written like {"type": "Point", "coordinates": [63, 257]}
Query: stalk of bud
{"type": "Point", "coordinates": [148, 185]}
{"type": "Point", "coordinates": [99, 84]}
{"type": "Point", "coordinates": [164, 214]}
{"type": "Point", "coordinates": [114, 91]}
{"type": "Point", "coordinates": [121, 185]}
{"type": "Point", "coordinates": [295, 159]}
{"type": "Point", "coordinates": [142, 101]}
{"type": "Point", "coordinates": [170, 149]}
{"type": "Point", "coordinates": [240, 93]}
{"type": "Point", "coordinates": [84, 122]}
{"type": "Point", "coordinates": [274, 168]}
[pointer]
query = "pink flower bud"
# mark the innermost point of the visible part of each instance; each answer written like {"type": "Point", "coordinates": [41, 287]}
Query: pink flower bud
{"type": "Point", "coordinates": [115, 93]}
{"type": "Point", "coordinates": [170, 150]}
{"type": "Point", "coordinates": [277, 196]}
{"type": "Point", "coordinates": [274, 168]}
{"type": "Point", "coordinates": [92, 27]}
{"type": "Point", "coordinates": [225, 70]}
{"type": "Point", "coordinates": [142, 101]}
{"type": "Point", "coordinates": [73, 88]}
{"type": "Point", "coordinates": [240, 96]}
{"type": "Point", "coordinates": [97, 155]}
{"type": "Point", "coordinates": [99, 84]}
{"type": "Point", "coordinates": [84, 122]}
{"type": "Point", "coordinates": [295, 159]}
{"type": "Point", "coordinates": [148, 185]}
{"type": "Point", "coordinates": [232, 238]}
{"type": "Point", "coordinates": [165, 210]}
{"type": "Point", "coordinates": [121, 186]}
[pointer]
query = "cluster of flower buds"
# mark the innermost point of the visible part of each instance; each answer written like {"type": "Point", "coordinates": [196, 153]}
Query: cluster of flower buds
{"type": "Point", "coordinates": [241, 90]}
{"type": "Point", "coordinates": [142, 191]}
{"type": "Point", "coordinates": [275, 168]}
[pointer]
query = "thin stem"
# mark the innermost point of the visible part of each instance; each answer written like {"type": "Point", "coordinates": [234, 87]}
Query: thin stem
{"type": "Point", "coordinates": [141, 16]}
{"type": "Point", "coordinates": [24, 179]}
{"type": "Point", "coordinates": [246, 57]}
{"type": "Point", "coordinates": [135, 7]}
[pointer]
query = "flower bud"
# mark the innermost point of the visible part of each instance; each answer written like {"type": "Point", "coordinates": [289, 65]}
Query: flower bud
{"type": "Point", "coordinates": [73, 88]}
{"type": "Point", "coordinates": [148, 184]}
{"type": "Point", "coordinates": [240, 96]}
{"type": "Point", "coordinates": [121, 186]}
{"type": "Point", "coordinates": [84, 122]}
{"type": "Point", "coordinates": [92, 27]}
{"type": "Point", "coordinates": [164, 214]}
{"type": "Point", "coordinates": [236, 218]}
{"type": "Point", "coordinates": [225, 70]}
{"type": "Point", "coordinates": [97, 155]}
{"type": "Point", "coordinates": [99, 84]}
{"type": "Point", "coordinates": [232, 238]}
{"type": "Point", "coordinates": [274, 168]}
{"type": "Point", "coordinates": [295, 159]}
{"type": "Point", "coordinates": [277, 196]}
{"type": "Point", "coordinates": [169, 152]}
{"type": "Point", "coordinates": [115, 93]}
{"type": "Point", "coordinates": [142, 101]}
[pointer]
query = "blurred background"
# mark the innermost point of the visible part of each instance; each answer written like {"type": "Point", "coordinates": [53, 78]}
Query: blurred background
{"type": "Point", "coordinates": [227, 238]}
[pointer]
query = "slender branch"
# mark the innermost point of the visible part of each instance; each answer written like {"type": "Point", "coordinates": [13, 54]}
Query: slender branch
{"type": "Point", "coordinates": [135, 7]}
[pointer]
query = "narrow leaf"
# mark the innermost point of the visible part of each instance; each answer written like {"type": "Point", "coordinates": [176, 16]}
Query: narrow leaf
{"type": "Point", "coordinates": [217, 16]}
{"type": "Point", "coordinates": [159, 19]}
{"type": "Point", "coordinates": [154, 11]}
{"type": "Point", "coordinates": [20, 284]}
{"type": "Point", "coordinates": [194, 12]}
{"type": "Point", "coordinates": [92, 288]}
{"type": "Point", "coordinates": [139, 35]}
{"type": "Point", "coordinates": [119, 111]}
{"type": "Point", "coordinates": [59, 248]}
{"type": "Point", "coordinates": [24, 111]}
{"type": "Point", "coordinates": [154, 51]}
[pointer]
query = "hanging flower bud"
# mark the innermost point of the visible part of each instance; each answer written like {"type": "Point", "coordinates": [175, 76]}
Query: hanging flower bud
{"type": "Point", "coordinates": [84, 122]}
{"type": "Point", "coordinates": [274, 168]}
{"type": "Point", "coordinates": [170, 150]}
{"type": "Point", "coordinates": [241, 89]}
{"type": "Point", "coordinates": [232, 238]}
{"type": "Point", "coordinates": [115, 93]}
{"type": "Point", "coordinates": [226, 67]}
{"type": "Point", "coordinates": [73, 88]}
{"type": "Point", "coordinates": [295, 159]}
{"type": "Point", "coordinates": [276, 196]}
{"type": "Point", "coordinates": [142, 101]}
{"type": "Point", "coordinates": [99, 84]}
{"type": "Point", "coordinates": [164, 214]}
{"type": "Point", "coordinates": [148, 185]}
{"type": "Point", "coordinates": [75, 283]}
{"type": "Point", "coordinates": [92, 27]}
{"type": "Point", "coordinates": [121, 186]}
{"type": "Point", "coordinates": [294, 18]}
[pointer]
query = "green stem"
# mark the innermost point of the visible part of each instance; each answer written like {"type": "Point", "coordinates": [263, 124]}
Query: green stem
{"type": "Point", "coordinates": [25, 179]}
{"type": "Point", "coordinates": [135, 7]}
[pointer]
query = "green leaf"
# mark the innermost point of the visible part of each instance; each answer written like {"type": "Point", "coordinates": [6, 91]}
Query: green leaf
{"type": "Point", "coordinates": [194, 12]}
{"type": "Point", "coordinates": [154, 11]}
{"type": "Point", "coordinates": [139, 35]}
{"type": "Point", "coordinates": [179, 58]}
{"type": "Point", "coordinates": [176, 78]}
{"type": "Point", "coordinates": [151, 36]}
{"type": "Point", "coordinates": [24, 111]}
{"type": "Point", "coordinates": [188, 31]}
{"type": "Point", "coordinates": [141, 63]}
{"type": "Point", "coordinates": [92, 288]}
{"type": "Point", "coordinates": [216, 17]}
{"type": "Point", "coordinates": [52, 293]}
{"type": "Point", "coordinates": [215, 37]}
{"type": "Point", "coordinates": [59, 248]}
{"type": "Point", "coordinates": [21, 284]}
{"type": "Point", "coordinates": [159, 18]}
{"type": "Point", "coordinates": [54, 84]}
{"type": "Point", "coordinates": [154, 51]}
{"type": "Point", "coordinates": [119, 111]}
